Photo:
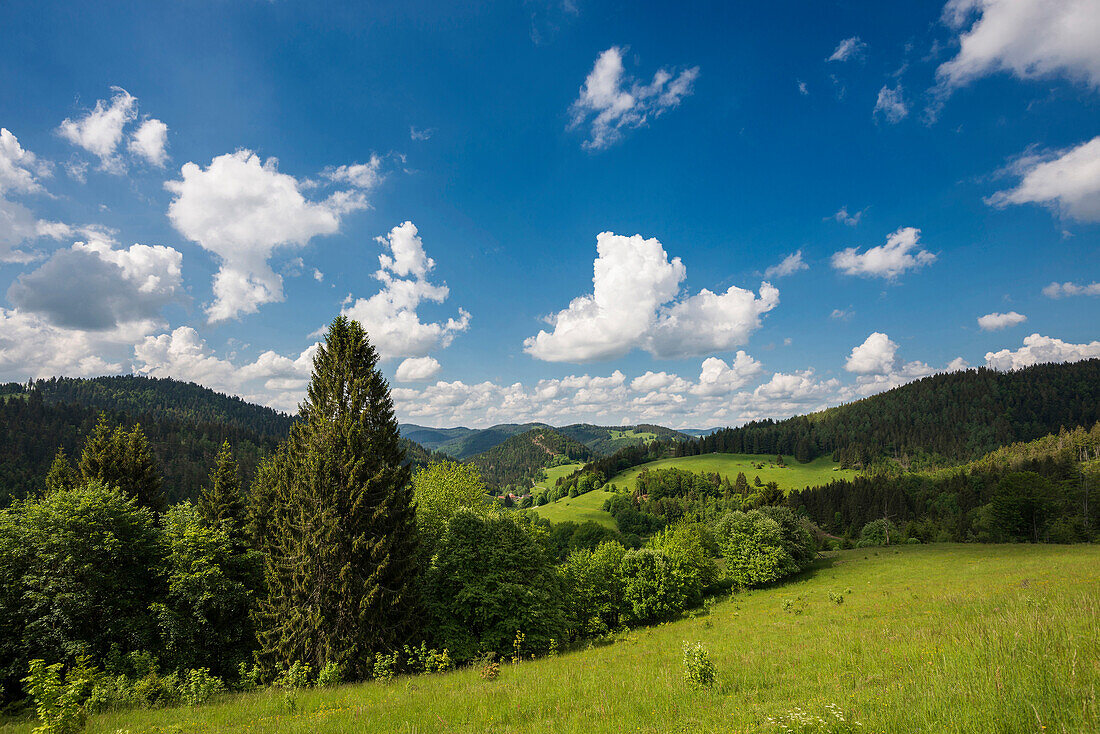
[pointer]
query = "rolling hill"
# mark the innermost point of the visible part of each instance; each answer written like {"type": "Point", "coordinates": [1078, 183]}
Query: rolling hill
{"type": "Point", "coordinates": [462, 443]}
{"type": "Point", "coordinates": [520, 460]}
{"type": "Point", "coordinates": [184, 422]}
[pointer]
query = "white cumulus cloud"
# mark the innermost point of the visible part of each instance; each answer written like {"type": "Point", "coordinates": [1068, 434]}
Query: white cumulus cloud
{"type": "Point", "coordinates": [874, 356]}
{"type": "Point", "coordinates": [101, 130]}
{"type": "Point", "coordinates": [611, 101]}
{"type": "Point", "coordinates": [390, 316]}
{"type": "Point", "coordinates": [996, 321]}
{"type": "Point", "coordinates": [901, 252]}
{"type": "Point", "coordinates": [849, 48]}
{"type": "Point", "coordinates": [787, 266]}
{"type": "Point", "coordinates": [242, 209]}
{"type": "Point", "coordinates": [150, 142]}
{"type": "Point", "coordinates": [634, 304]}
{"type": "Point", "coordinates": [1040, 349]}
{"type": "Point", "coordinates": [719, 378]}
{"type": "Point", "coordinates": [891, 103]}
{"type": "Point", "coordinates": [417, 369]}
{"type": "Point", "coordinates": [1064, 290]}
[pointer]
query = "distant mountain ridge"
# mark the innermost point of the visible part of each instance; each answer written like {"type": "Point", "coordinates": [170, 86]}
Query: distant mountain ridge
{"type": "Point", "coordinates": [462, 443]}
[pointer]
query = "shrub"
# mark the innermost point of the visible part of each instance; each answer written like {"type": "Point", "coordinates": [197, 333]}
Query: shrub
{"type": "Point", "coordinates": [699, 670]}
{"type": "Point", "coordinates": [489, 668]}
{"type": "Point", "coordinates": [753, 545]}
{"type": "Point", "coordinates": [331, 675]}
{"type": "Point", "coordinates": [198, 686]}
{"type": "Point", "coordinates": [652, 590]}
{"type": "Point", "coordinates": [385, 666]}
{"type": "Point", "coordinates": [59, 700]}
{"type": "Point", "coordinates": [295, 677]}
{"type": "Point", "coordinates": [878, 532]}
{"type": "Point", "coordinates": [836, 598]}
{"type": "Point", "coordinates": [913, 541]}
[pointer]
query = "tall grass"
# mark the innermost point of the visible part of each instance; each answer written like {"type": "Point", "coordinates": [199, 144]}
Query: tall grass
{"type": "Point", "coordinates": [940, 638]}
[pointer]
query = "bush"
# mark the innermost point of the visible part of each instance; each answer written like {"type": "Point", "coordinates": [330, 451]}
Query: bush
{"type": "Point", "coordinates": [296, 676]}
{"type": "Point", "coordinates": [385, 666]}
{"type": "Point", "coordinates": [653, 588]}
{"type": "Point", "coordinates": [489, 668]}
{"type": "Point", "coordinates": [330, 676]}
{"type": "Point", "coordinates": [699, 670]}
{"type": "Point", "coordinates": [878, 532]}
{"type": "Point", "coordinates": [754, 547]}
{"type": "Point", "coordinates": [489, 577]}
{"type": "Point", "coordinates": [913, 541]}
{"type": "Point", "coordinates": [59, 700]}
{"type": "Point", "coordinates": [198, 686]}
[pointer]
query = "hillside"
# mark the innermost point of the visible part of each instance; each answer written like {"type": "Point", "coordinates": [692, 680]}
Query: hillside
{"type": "Point", "coordinates": [184, 422]}
{"type": "Point", "coordinates": [462, 443]}
{"type": "Point", "coordinates": [943, 419]}
{"type": "Point", "coordinates": [520, 459]}
{"type": "Point", "coordinates": [929, 638]}
{"type": "Point", "coordinates": [167, 399]}
{"type": "Point", "coordinates": [792, 476]}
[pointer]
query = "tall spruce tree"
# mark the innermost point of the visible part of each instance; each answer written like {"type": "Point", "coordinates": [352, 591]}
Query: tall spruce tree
{"type": "Point", "coordinates": [341, 546]}
{"type": "Point", "coordinates": [222, 500]}
{"type": "Point", "coordinates": [123, 460]}
{"type": "Point", "coordinates": [61, 475]}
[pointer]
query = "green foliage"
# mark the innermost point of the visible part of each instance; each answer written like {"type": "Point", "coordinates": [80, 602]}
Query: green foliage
{"type": "Point", "coordinates": [440, 490]}
{"type": "Point", "coordinates": [489, 577]}
{"type": "Point", "coordinates": [762, 546]}
{"type": "Point", "coordinates": [78, 571]}
{"type": "Point", "coordinates": [221, 499]}
{"type": "Point", "coordinates": [61, 475]}
{"type": "Point", "coordinates": [122, 459]}
{"type": "Point", "coordinates": [878, 532]}
{"type": "Point", "coordinates": [654, 587]}
{"type": "Point", "coordinates": [691, 546]}
{"type": "Point", "coordinates": [593, 590]}
{"type": "Point", "coordinates": [199, 686]}
{"type": "Point", "coordinates": [341, 546]}
{"type": "Point", "coordinates": [385, 666]}
{"type": "Point", "coordinates": [521, 458]}
{"type": "Point", "coordinates": [699, 670]}
{"type": "Point", "coordinates": [213, 582]}
{"type": "Point", "coordinates": [59, 699]}
{"type": "Point", "coordinates": [294, 676]}
{"type": "Point", "coordinates": [330, 676]}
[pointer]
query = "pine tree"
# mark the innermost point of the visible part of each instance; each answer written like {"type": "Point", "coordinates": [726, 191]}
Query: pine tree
{"type": "Point", "coordinates": [341, 565]}
{"type": "Point", "coordinates": [742, 484]}
{"type": "Point", "coordinates": [222, 500]}
{"type": "Point", "coordinates": [123, 460]}
{"type": "Point", "coordinates": [61, 475]}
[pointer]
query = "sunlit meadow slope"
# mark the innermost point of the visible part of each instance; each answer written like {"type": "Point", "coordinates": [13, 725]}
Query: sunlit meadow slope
{"type": "Point", "coordinates": [937, 638]}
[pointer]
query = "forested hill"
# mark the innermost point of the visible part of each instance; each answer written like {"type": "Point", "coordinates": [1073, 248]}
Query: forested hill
{"type": "Point", "coordinates": [165, 398]}
{"type": "Point", "coordinates": [184, 422]}
{"type": "Point", "coordinates": [520, 459]}
{"type": "Point", "coordinates": [462, 443]}
{"type": "Point", "coordinates": [950, 418]}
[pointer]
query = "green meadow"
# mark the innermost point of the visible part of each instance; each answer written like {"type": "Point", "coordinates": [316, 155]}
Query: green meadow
{"type": "Point", "coordinates": [793, 476]}
{"type": "Point", "coordinates": [936, 638]}
{"type": "Point", "coordinates": [588, 506]}
{"type": "Point", "coordinates": [552, 474]}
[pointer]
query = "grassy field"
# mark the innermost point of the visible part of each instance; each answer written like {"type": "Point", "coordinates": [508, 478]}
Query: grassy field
{"type": "Point", "coordinates": [794, 476]}
{"type": "Point", "coordinates": [937, 638]}
{"type": "Point", "coordinates": [588, 506]}
{"type": "Point", "coordinates": [552, 474]}
{"type": "Point", "coordinates": [644, 435]}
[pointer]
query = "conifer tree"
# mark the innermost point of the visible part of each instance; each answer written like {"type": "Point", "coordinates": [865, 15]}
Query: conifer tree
{"type": "Point", "coordinates": [341, 560]}
{"type": "Point", "coordinates": [222, 500]}
{"type": "Point", "coordinates": [123, 460]}
{"type": "Point", "coordinates": [61, 475]}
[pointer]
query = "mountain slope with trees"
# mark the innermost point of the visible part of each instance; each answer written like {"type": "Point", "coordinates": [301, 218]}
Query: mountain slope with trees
{"type": "Point", "coordinates": [521, 459]}
{"type": "Point", "coordinates": [184, 423]}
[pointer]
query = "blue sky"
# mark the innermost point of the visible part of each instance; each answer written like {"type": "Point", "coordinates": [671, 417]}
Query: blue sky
{"type": "Point", "coordinates": [194, 189]}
